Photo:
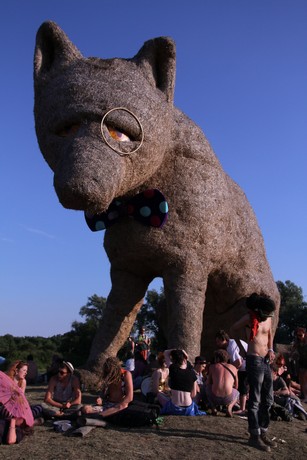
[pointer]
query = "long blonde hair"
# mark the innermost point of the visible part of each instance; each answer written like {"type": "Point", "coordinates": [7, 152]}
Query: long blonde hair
{"type": "Point", "coordinates": [111, 371]}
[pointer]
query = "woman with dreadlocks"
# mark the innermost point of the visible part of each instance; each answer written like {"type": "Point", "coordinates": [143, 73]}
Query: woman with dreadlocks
{"type": "Point", "coordinates": [117, 389]}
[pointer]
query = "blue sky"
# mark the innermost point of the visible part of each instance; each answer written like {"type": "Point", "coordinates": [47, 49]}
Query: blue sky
{"type": "Point", "coordinates": [241, 76]}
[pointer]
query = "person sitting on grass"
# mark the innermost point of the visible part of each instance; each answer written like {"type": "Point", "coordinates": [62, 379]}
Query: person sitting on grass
{"type": "Point", "coordinates": [18, 372]}
{"type": "Point", "coordinates": [299, 349]}
{"type": "Point", "coordinates": [13, 429]}
{"type": "Point", "coordinates": [159, 381]}
{"type": "Point", "coordinates": [183, 385]}
{"type": "Point", "coordinates": [117, 390]}
{"type": "Point", "coordinates": [63, 395]}
{"type": "Point", "coordinates": [222, 387]}
{"type": "Point", "coordinates": [200, 365]}
{"type": "Point", "coordinates": [280, 387]}
{"type": "Point", "coordinates": [237, 355]}
{"type": "Point", "coordinates": [294, 387]}
{"type": "Point", "coordinates": [283, 396]}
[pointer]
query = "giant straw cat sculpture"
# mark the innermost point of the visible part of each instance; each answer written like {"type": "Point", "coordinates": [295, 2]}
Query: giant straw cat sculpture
{"type": "Point", "coordinates": [210, 251]}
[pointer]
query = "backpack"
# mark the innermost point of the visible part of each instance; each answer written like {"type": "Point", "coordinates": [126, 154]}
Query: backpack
{"type": "Point", "coordinates": [295, 407]}
{"type": "Point", "coordinates": [280, 413]}
{"type": "Point", "coordinates": [137, 414]}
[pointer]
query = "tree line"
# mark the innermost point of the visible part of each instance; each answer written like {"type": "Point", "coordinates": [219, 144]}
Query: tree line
{"type": "Point", "coordinates": [75, 345]}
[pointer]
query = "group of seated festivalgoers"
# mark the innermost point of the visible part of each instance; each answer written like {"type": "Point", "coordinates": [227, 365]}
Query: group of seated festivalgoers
{"type": "Point", "coordinates": [241, 378]}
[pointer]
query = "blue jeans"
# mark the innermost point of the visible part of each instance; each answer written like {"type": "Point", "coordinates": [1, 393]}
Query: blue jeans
{"type": "Point", "coordinates": [260, 393]}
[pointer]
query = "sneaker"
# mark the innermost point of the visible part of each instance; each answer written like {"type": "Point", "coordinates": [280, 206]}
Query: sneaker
{"type": "Point", "coordinates": [267, 441]}
{"type": "Point", "coordinates": [256, 441]}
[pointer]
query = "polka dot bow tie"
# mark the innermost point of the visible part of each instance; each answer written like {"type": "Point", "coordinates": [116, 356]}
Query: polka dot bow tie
{"type": "Point", "coordinates": [149, 208]}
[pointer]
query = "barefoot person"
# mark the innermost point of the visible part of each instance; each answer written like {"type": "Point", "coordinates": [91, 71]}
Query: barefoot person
{"type": "Point", "coordinates": [258, 324]}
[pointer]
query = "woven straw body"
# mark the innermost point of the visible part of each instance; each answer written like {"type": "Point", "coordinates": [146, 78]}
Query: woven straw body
{"type": "Point", "coordinates": [210, 253]}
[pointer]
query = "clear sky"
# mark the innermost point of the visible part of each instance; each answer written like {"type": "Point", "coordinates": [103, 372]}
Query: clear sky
{"type": "Point", "coordinates": [241, 76]}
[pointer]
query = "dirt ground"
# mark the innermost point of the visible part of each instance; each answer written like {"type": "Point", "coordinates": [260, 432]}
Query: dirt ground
{"type": "Point", "coordinates": [208, 437]}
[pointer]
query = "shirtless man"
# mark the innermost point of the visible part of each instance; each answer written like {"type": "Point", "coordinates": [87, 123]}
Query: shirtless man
{"type": "Point", "coordinates": [258, 324]}
{"type": "Point", "coordinates": [118, 390]}
{"type": "Point", "coordinates": [222, 388]}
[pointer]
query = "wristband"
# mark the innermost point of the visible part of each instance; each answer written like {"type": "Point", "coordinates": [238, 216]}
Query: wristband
{"type": "Point", "coordinates": [271, 349]}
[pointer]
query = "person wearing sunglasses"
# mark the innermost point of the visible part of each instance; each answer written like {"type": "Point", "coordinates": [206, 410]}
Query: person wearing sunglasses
{"type": "Point", "coordinates": [63, 395]}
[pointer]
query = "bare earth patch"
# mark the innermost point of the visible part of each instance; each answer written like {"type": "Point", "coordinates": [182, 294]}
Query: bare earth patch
{"type": "Point", "coordinates": [209, 438]}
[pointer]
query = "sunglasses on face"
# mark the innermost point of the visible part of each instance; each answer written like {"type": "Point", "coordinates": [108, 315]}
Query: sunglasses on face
{"type": "Point", "coordinates": [62, 373]}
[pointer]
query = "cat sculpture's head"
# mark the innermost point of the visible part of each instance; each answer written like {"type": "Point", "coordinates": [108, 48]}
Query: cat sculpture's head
{"type": "Point", "coordinates": [103, 125]}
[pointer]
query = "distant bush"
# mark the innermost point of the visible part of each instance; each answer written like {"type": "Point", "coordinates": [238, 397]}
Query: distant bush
{"type": "Point", "coordinates": [42, 349]}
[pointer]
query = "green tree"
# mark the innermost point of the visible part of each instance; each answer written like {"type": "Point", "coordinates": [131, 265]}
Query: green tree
{"type": "Point", "coordinates": [75, 345]}
{"type": "Point", "coordinates": [149, 316]}
{"type": "Point", "coordinates": [8, 347]}
{"type": "Point", "coordinates": [293, 311]}
{"type": "Point", "coordinates": [42, 349]}
{"type": "Point", "coordinates": [94, 309]}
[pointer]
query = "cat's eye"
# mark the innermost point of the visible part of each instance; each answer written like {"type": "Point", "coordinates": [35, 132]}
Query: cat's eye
{"type": "Point", "coordinates": [122, 131]}
{"type": "Point", "coordinates": [68, 130]}
{"type": "Point", "coordinates": [118, 135]}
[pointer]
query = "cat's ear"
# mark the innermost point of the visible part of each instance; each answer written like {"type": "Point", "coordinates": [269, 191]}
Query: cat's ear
{"type": "Point", "coordinates": [157, 57]}
{"type": "Point", "coordinates": [53, 49]}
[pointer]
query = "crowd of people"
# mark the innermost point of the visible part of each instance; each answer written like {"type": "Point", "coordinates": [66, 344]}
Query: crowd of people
{"type": "Point", "coordinates": [243, 377]}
